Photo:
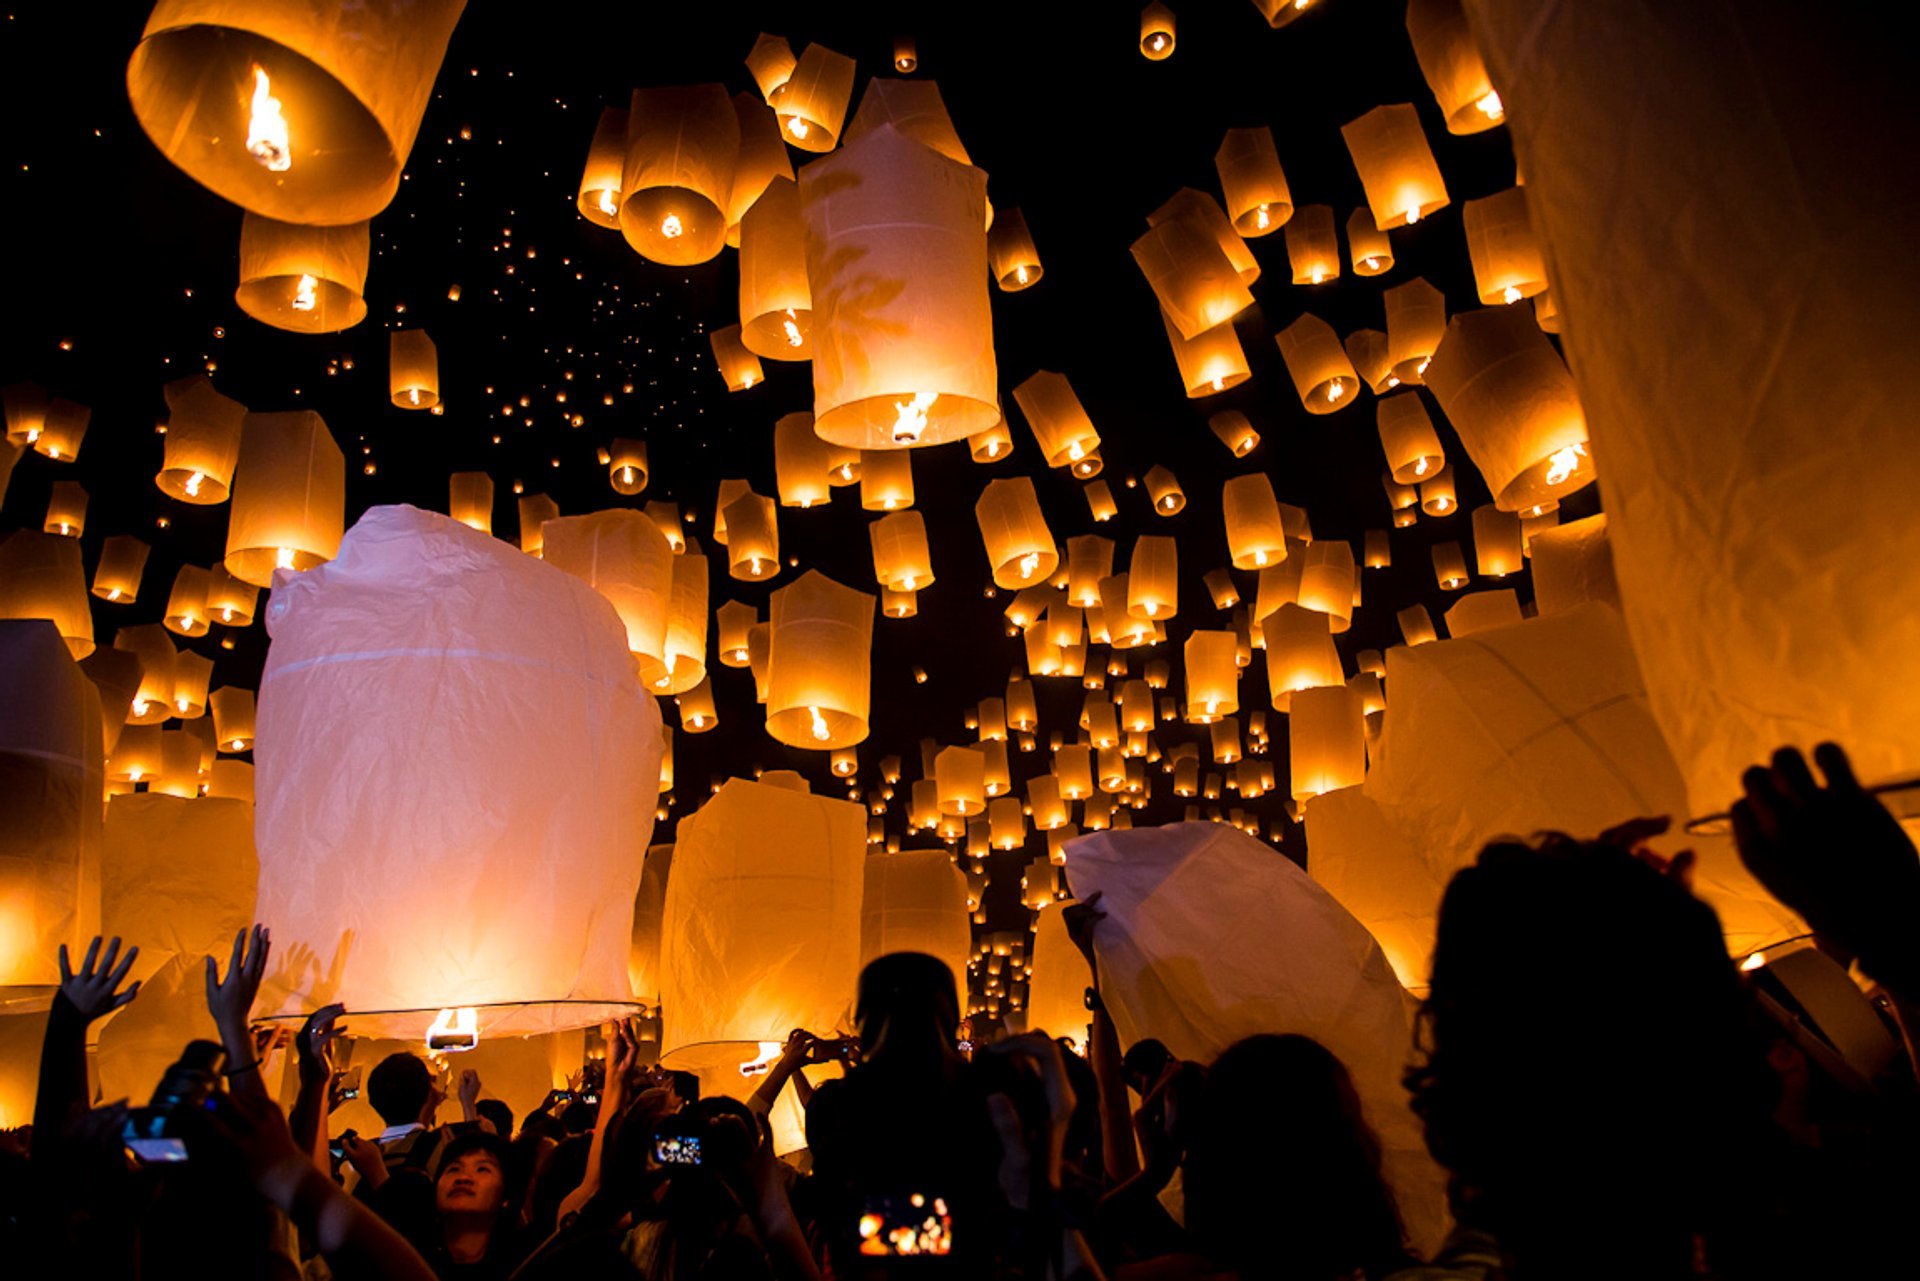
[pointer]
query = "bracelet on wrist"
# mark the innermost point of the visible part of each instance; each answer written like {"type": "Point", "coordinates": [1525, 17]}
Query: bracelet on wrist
{"type": "Point", "coordinates": [242, 1070]}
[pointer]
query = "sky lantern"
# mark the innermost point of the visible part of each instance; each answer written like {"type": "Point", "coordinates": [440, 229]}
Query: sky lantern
{"type": "Point", "coordinates": [1449, 59]}
{"type": "Point", "coordinates": [1416, 322]}
{"type": "Point", "coordinates": [1016, 260]}
{"type": "Point", "coordinates": [1509, 396]}
{"type": "Point", "coordinates": [770, 62]}
{"type": "Point", "coordinates": [1204, 212]}
{"type": "Point", "coordinates": [1437, 497]}
{"type": "Point", "coordinates": [123, 560]}
{"type": "Point", "coordinates": [187, 603]}
{"type": "Point", "coordinates": [697, 711]}
{"type": "Point", "coordinates": [1507, 266]}
{"type": "Point", "coordinates": [370, 770]}
{"type": "Point", "coordinates": [776, 311]}
{"type": "Point", "coordinates": [684, 662]}
{"type": "Point", "coordinates": [897, 263]}
{"type": "Point", "coordinates": [1367, 349]}
{"type": "Point", "coordinates": [1220, 586]}
{"type": "Point", "coordinates": [414, 369]}
{"type": "Point", "coordinates": [1326, 741]}
{"type": "Point", "coordinates": [753, 539]}
{"type": "Point", "coordinates": [1089, 559]}
{"type": "Point", "coordinates": [960, 777]}
{"type": "Point", "coordinates": [1255, 536]}
{"type": "Point", "coordinates": [1322, 375]}
{"type": "Point", "coordinates": [627, 466]}
{"type": "Point", "coordinates": [202, 442]}
{"type": "Point", "coordinates": [886, 479]}
{"type": "Point", "coordinates": [599, 198]}
{"type": "Point", "coordinates": [1197, 284]}
{"type": "Point", "coordinates": [1300, 653]}
{"type": "Point", "coordinates": [1019, 545]}
{"type": "Point", "coordinates": [1407, 437]}
{"type": "Point", "coordinates": [732, 621]}
{"type": "Point", "coordinates": [1397, 168]}
{"type": "Point", "coordinates": [1209, 363]}
{"type": "Point", "coordinates": [233, 718]}
{"type": "Point", "coordinates": [818, 661]}
{"type": "Point", "coordinates": [289, 496]}
{"type": "Point", "coordinates": [1164, 492]}
{"type": "Point", "coordinates": [812, 103]}
{"type": "Point", "coordinates": [66, 509]}
{"type": "Point", "coordinates": [1100, 504]}
{"type": "Point", "coordinates": [1156, 32]}
{"type": "Point", "coordinates": [1255, 186]}
{"type": "Point", "coordinates": [1368, 248]}
{"type": "Point", "coordinates": [1060, 424]}
{"type": "Point", "coordinates": [1450, 565]}
{"type": "Point", "coordinates": [683, 143]}
{"type": "Point", "coordinates": [1153, 578]}
{"type": "Point", "coordinates": [1313, 247]}
{"type": "Point", "coordinates": [1327, 581]}
{"type": "Point", "coordinates": [535, 511]}
{"type": "Point", "coordinates": [26, 407]}
{"type": "Point", "coordinates": [901, 560]}
{"type": "Point", "coordinates": [1482, 611]}
{"type": "Point", "coordinates": [917, 110]}
{"type": "Point", "coordinates": [915, 901]}
{"type": "Point", "coordinates": [1496, 542]}
{"type": "Point", "coordinates": [621, 555]}
{"type": "Point", "coordinates": [153, 698]}
{"type": "Point", "coordinates": [1213, 676]}
{"type": "Point", "coordinates": [800, 462]}
{"type": "Point", "coordinates": [1235, 432]}
{"type": "Point", "coordinates": [301, 114]}
{"type": "Point", "coordinates": [470, 499]}
{"type": "Point", "coordinates": [307, 280]}
{"type": "Point", "coordinates": [739, 368]}
{"type": "Point", "coordinates": [763, 157]}
{"type": "Point", "coordinates": [991, 445]}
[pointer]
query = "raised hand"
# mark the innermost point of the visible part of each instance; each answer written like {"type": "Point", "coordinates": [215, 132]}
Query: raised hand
{"type": "Point", "coordinates": [469, 1092]}
{"type": "Point", "coordinates": [92, 991]}
{"type": "Point", "coordinates": [1080, 919]}
{"type": "Point", "coordinates": [230, 1000]}
{"type": "Point", "coordinates": [314, 1045]}
{"type": "Point", "coordinates": [1836, 856]}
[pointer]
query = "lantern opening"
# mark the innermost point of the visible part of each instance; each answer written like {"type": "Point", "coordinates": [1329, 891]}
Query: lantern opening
{"type": "Point", "coordinates": [452, 1030]}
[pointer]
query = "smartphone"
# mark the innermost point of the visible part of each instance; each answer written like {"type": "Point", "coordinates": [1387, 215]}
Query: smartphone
{"type": "Point", "coordinates": [676, 1149]}
{"type": "Point", "coordinates": [145, 1139]}
{"type": "Point", "coordinates": [914, 1224]}
{"type": "Point", "coordinates": [347, 1084]}
{"type": "Point", "coordinates": [337, 1149]}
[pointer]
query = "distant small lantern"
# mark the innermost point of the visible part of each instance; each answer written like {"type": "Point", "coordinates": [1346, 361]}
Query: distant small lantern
{"type": "Point", "coordinates": [1019, 545]}
{"type": "Point", "coordinates": [1507, 266]}
{"type": "Point", "coordinates": [26, 407]}
{"type": "Point", "coordinates": [233, 713]}
{"type": "Point", "coordinates": [732, 622]}
{"type": "Point", "coordinates": [123, 561]}
{"type": "Point", "coordinates": [627, 465]}
{"type": "Point", "coordinates": [1326, 741]}
{"type": "Point", "coordinates": [697, 712]}
{"type": "Point", "coordinates": [1437, 496]}
{"type": "Point", "coordinates": [1509, 396]}
{"type": "Point", "coordinates": [153, 699]}
{"type": "Point", "coordinates": [66, 509]}
{"type": "Point", "coordinates": [666, 518]}
{"type": "Point", "coordinates": [1322, 375]}
{"type": "Point", "coordinates": [599, 198]}
{"type": "Point", "coordinates": [41, 577]}
{"type": "Point", "coordinates": [1153, 578]}
{"type": "Point", "coordinates": [818, 663]}
{"type": "Point", "coordinates": [1450, 566]}
{"type": "Point", "coordinates": [192, 674]}
{"type": "Point", "coordinates": [1496, 542]}
{"type": "Point", "coordinates": [886, 479]}
{"type": "Point", "coordinates": [684, 662]}
{"type": "Point", "coordinates": [1163, 489]}
{"type": "Point", "coordinates": [739, 368]}
{"type": "Point", "coordinates": [289, 497]}
{"type": "Point", "coordinates": [1060, 425]}
{"type": "Point", "coordinates": [1089, 559]}
{"type": "Point", "coordinates": [202, 442]}
{"type": "Point", "coordinates": [683, 143]}
{"type": "Point", "coordinates": [776, 309]}
{"type": "Point", "coordinates": [906, 59]}
{"type": "Point", "coordinates": [1368, 248]}
{"type": "Point", "coordinates": [1255, 536]}
{"type": "Point", "coordinates": [1407, 437]}
{"type": "Point", "coordinates": [1396, 165]}
{"type": "Point", "coordinates": [1416, 625]}
{"type": "Point", "coordinates": [1197, 284]}
{"type": "Point", "coordinates": [753, 538]}
{"type": "Point", "coordinates": [800, 462]}
{"type": "Point", "coordinates": [1235, 432]}
{"type": "Point", "coordinates": [1313, 247]}
{"type": "Point", "coordinates": [901, 560]}
{"type": "Point", "coordinates": [1156, 32]}
{"type": "Point", "coordinates": [812, 104]}
{"type": "Point", "coordinates": [1016, 261]}
{"type": "Point", "coordinates": [1444, 46]}
{"type": "Point", "coordinates": [1255, 186]}
{"type": "Point", "coordinates": [470, 499]}
{"type": "Point", "coordinates": [1379, 552]}
{"type": "Point", "coordinates": [1210, 362]}
{"type": "Point", "coordinates": [307, 280]}
{"type": "Point", "coordinates": [1219, 584]}
{"type": "Point", "coordinates": [960, 778]}
{"type": "Point", "coordinates": [1006, 823]}
{"type": "Point", "coordinates": [413, 378]}
{"type": "Point", "coordinates": [1416, 322]}
{"type": "Point", "coordinates": [1100, 502]}
{"type": "Point", "coordinates": [991, 445]}
{"type": "Point", "coordinates": [770, 62]}
{"type": "Point", "coordinates": [187, 603]}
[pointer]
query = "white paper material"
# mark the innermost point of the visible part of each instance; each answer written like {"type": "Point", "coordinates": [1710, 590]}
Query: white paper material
{"type": "Point", "coordinates": [916, 901]}
{"type": "Point", "coordinates": [178, 876]}
{"type": "Point", "coordinates": [455, 785]}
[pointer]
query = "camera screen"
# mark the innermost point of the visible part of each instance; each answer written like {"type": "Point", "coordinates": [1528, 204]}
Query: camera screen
{"type": "Point", "coordinates": [156, 1151]}
{"type": "Point", "coordinates": [908, 1225]}
{"type": "Point", "coordinates": [676, 1149]}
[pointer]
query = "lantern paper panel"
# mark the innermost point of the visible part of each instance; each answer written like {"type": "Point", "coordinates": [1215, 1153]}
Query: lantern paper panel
{"type": "Point", "coordinates": [649, 917]}
{"type": "Point", "coordinates": [915, 901]}
{"type": "Point", "coordinates": [1396, 165]}
{"type": "Point", "coordinates": [1059, 978]}
{"type": "Point", "coordinates": [41, 577]}
{"type": "Point", "coordinates": [763, 157]}
{"type": "Point", "coordinates": [683, 143]}
{"type": "Point", "coordinates": [1573, 564]}
{"type": "Point", "coordinates": [1500, 244]}
{"type": "Point", "coordinates": [1060, 424]}
{"type": "Point", "coordinates": [812, 101]}
{"type": "Point", "coordinates": [1313, 247]}
{"type": "Point", "coordinates": [1443, 43]}
{"type": "Point", "coordinates": [1482, 611]}
{"type": "Point", "coordinates": [599, 198]}
{"type": "Point", "coordinates": [1416, 322]}
{"type": "Point", "coordinates": [1322, 375]}
{"type": "Point", "coordinates": [202, 443]}
{"type": "Point", "coordinates": [627, 466]}
{"type": "Point", "coordinates": [770, 62]}
{"type": "Point", "coordinates": [1197, 284]}
{"type": "Point", "coordinates": [818, 663]}
{"type": "Point", "coordinates": [307, 280]}
{"type": "Point", "coordinates": [379, 780]}
{"type": "Point", "coordinates": [66, 509]}
{"type": "Point", "coordinates": [123, 561]}
{"type": "Point", "coordinates": [1255, 186]}
{"type": "Point", "coordinates": [178, 876]}
{"type": "Point", "coordinates": [776, 309]}
{"type": "Point", "coordinates": [620, 554]}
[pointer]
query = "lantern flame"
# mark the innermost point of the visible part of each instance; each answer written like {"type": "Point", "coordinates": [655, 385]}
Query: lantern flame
{"type": "Point", "coordinates": [192, 487]}
{"type": "Point", "coordinates": [912, 417]}
{"type": "Point", "coordinates": [1754, 961]}
{"type": "Point", "coordinates": [226, 613]}
{"type": "Point", "coordinates": [670, 227]}
{"type": "Point", "coordinates": [794, 337]}
{"type": "Point", "coordinates": [1261, 218]}
{"type": "Point", "coordinates": [133, 775]}
{"type": "Point", "coordinates": [1219, 384]}
{"type": "Point", "coordinates": [113, 594]}
{"type": "Point", "coordinates": [267, 139]}
{"type": "Point", "coordinates": [746, 381]}
{"type": "Point", "coordinates": [1511, 293]}
{"type": "Point", "coordinates": [457, 1029]}
{"type": "Point", "coordinates": [239, 744]}
{"type": "Point", "coordinates": [1421, 368]}
{"type": "Point", "coordinates": [33, 435]}
{"type": "Point", "coordinates": [283, 558]}
{"type": "Point", "coordinates": [1371, 262]}
{"type": "Point", "coordinates": [1020, 273]}
{"type": "Point", "coordinates": [140, 706]}
{"type": "Point", "coordinates": [184, 703]}
{"type": "Point", "coordinates": [1420, 467]}
{"type": "Point", "coordinates": [303, 293]}
{"type": "Point", "coordinates": [769, 1053]}
{"type": "Point", "coordinates": [797, 126]}
{"type": "Point", "coordinates": [1029, 565]}
{"type": "Point", "coordinates": [1334, 389]}
{"type": "Point", "coordinates": [607, 206]}
{"type": "Point", "coordinates": [1562, 464]}
{"type": "Point", "coordinates": [819, 727]}
{"type": "Point", "coordinates": [1319, 273]}
{"type": "Point", "coordinates": [1490, 105]}
{"type": "Point", "coordinates": [626, 475]}
{"type": "Point", "coordinates": [1260, 557]}
{"type": "Point", "coordinates": [1413, 215]}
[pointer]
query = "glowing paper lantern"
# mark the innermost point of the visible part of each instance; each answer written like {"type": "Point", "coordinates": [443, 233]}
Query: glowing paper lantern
{"type": "Point", "coordinates": [599, 198]}
{"type": "Point", "coordinates": [683, 664]}
{"type": "Point", "coordinates": [1509, 396]}
{"type": "Point", "coordinates": [897, 261]}
{"type": "Point", "coordinates": [307, 280]}
{"type": "Point", "coordinates": [753, 537]}
{"type": "Point", "coordinates": [763, 157]}
{"type": "Point", "coordinates": [123, 559]}
{"type": "Point", "coordinates": [535, 511]}
{"type": "Point", "coordinates": [960, 780]}
{"type": "Point", "coordinates": [1235, 432]}
{"type": "Point", "coordinates": [1255, 536]}
{"type": "Point", "coordinates": [683, 142]}
{"type": "Point", "coordinates": [991, 445]}
{"type": "Point", "coordinates": [1089, 559]}
{"type": "Point", "coordinates": [1019, 546]}
{"type": "Point", "coordinates": [369, 694]}
{"type": "Point", "coordinates": [1416, 322]}
{"type": "Point", "coordinates": [1573, 565]}
{"type": "Point", "coordinates": [1326, 741]}
{"type": "Point", "coordinates": [1379, 555]}
{"type": "Point", "coordinates": [1407, 437]}
{"type": "Point", "coordinates": [41, 578]}
{"type": "Point", "coordinates": [732, 621]}
{"type": "Point", "coordinates": [1300, 654]}
{"type": "Point", "coordinates": [776, 309]}
{"type": "Point", "coordinates": [1209, 363]}
{"type": "Point", "coordinates": [1313, 248]}
{"type": "Point", "coordinates": [299, 114]}
{"type": "Point", "coordinates": [66, 509]}
{"type": "Point", "coordinates": [1100, 502]}
{"type": "Point", "coordinates": [1153, 578]}
{"type": "Point", "coordinates": [1327, 581]}
{"type": "Point", "coordinates": [666, 518]}
{"type": "Point", "coordinates": [1367, 348]}
{"type": "Point", "coordinates": [1163, 488]}
{"type": "Point", "coordinates": [886, 479]}
{"type": "Point", "coordinates": [800, 462]}
{"type": "Point", "coordinates": [1496, 541]}
{"type": "Point", "coordinates": [770, 62]}
{"type": "Point", "coordinates": [627, 466]}
{"type": "Point", "coordinates": [1322, 374]}
{"type": "Point", "coordinates": [818, 663]}
{"type": "Point", "coordinates": [202, 442]}
{"type": "Point", "coordinates": [1202, 211]}
{"type": "Point", "coordinates": [812, 103]}
{"type": "Point", "coordinates": [1213, 676]}
{"type": "Point", "coordinates": [178, 875]}
{"type": "Point", "coordinates": [1060, 425]}
{"type": "Point", "coordinates": [739, 368]}
{"type": "Point", "coordinates": [1482, 611]}
{"type": "Point", "coordinates": [1219, 584]}
{"type": "Point", "coordinates": [26, 406]}
{"type": "Point", "coordinates": [52, 774]}
{"type": "Point", "coordinates": [915, 901]}
{"type": "Point", "coordinates": [1255, 186]}
{"type": "Point", "coordinates": [414, 369]}
{"type": "Point", "coordinates": [470, 499]}
{"type": "Point", "coordinates": [1443, 44]}
{"type": "Point", "coordinates": [60, 430]}
{"type": "Point", "coordinates": [187, 603]}
{"type": "Point", "coordinates": [1367, 246]}
{"type": "Point", "coordinates": [233, 717]}
{"type": "Point", "coordinates": [1016, 261]}
{"type": "Point", "coordinates": [1437, 496]}
{"type": "Point", "coordinates": [1197, 284]}
{"type": "Point", "coordinates": [697, 711]}
{"type": "Point", "coordinates": [1500, 242]}
{"type": "Point", "coordinates": [621, 555]}
{"type": "Point", "coordinates": [1396, 166]}
{"type": "Point", "coordinates": [153, 698]}
{"type": "Point", "coordinates": [1450, 565]}
{"type": "Point", "coordinates": [901, 560]}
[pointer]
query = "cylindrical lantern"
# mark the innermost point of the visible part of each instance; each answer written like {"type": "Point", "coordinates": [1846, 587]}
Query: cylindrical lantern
{"type": "Point", "coordinates": [1407, 437]}
{"type": "Point", "coordinates": [1322, 374]}
{"type": "Point", "coordinates": [1300, 654]}
{"type": "Point", "coordinates": [906, 59]}
{"type": "Point", "coordinates": [683, 142]}
{"type": "Point", "coordinates": [1450, 61]}
{"type": "Point", "coordinates": [915, 901]}
{"type": "Point", "coordinates": [817, 663]}
{"type": "Point", "coordinates": [1500, 242]}
{"type": "Point", "coordinates": [1255, 186]}
{"type": "Point", "coordinates": [1235, 432]}
{"type": "Point", "coordinates": [1396, 166]}
{"type": "Point", "coordinates": [1313, 248]}
{"type": "Point", "coordinates": [308, 280]}
{"type": "Point", "coordinates": [297, 113]}
{"type": "Point", "coordinates": [1016, 262]}
{"type": "Point", "coordinates": [1089, 559]}
{"type": "Point", "coordinates": [776, 309]}
{"type": "Point", "coordinates": [1060, 425]}
{"type": "Point", "coordinates": [1197, 284]}
{"type": "Point", "coordinates": [901, 560]}
{"type": "Point", "coordinates": [1367, 246]}
{"type": "Point", "coordinates": [1163, 488]}
{"type": "Point", "coordinates": [899, 604]}
{"type": "Point", "coordinates": [233, 713]}
{"type": "Point", "coordinates": [153, 699]}
{"type": "Point", "coordinates": [202, 441]}
{"type": "Point", "coordinates": [739, 368]}
{"type": "Point", "coordinates": [697, 711]}
{"type": "Point", "coordinates": [753, 538]}
{"type": "Point", "coordinates": [1327, 581]}
{"type": "Point", "coordinates": [59, 430]}
{"type": "Point", "coordinates": [1019, 545]}
{"type": "Point", "coordinates": [770, 62]}
{"type": "Point", "coordinates": [136, 757]}
{"type": "Point", "coordinates": [41, 577]}
{"type": "Point", "coordinates": [1213, 676]}
{"type": "Point", "coordinates": [1201, 210]}
{"type": "Point", "coordinates": [897, 262]}
{"type": "Point", "coordinates": [1367, 349]}
{"type": "Point", "coordinates": [960, 776]}
{"type": "Point", "coordinates": [1437, 493]}
{"type": "Point", "coordinates": [800, 462]}
{"type": "Point", "coordinates": [123, 560]}
{"type": "Point", "coordinates": [1255, 537]}
{"type": "Point", "coordinates": [187, 603]}
{"type": "Point", "coordinates": [535, 511]}
{"type": "Point", "coordinates": [26, 408]}
{"type": "Point", "coordinates": [1379, 554]}
{"type": "Point", "coordinates": [1326, 741]}
{"type": "Point", "coordinates": [1210, 362]}
{"type": "Point", "coordinates": [684, 663]}
{"type": "Point", "coordinates": [1509, 396]}
{"type": "Point", "coordinates": [1153, 578]}
{"type": "Point", "coordinates": [732, 621]}
{"type": "Point", "coordinates": [1100, 502]}
{"type": "Point", "coordinates": [1416, 322]}
{"type": "Point", "coordinates": [1496, 541]}
{"type": "Point", "coordinates": [1224, 740]}
{"type": "Point", "coordinates": [886, 479]}
{"type": "Point", "coordinates": [621, 555]}
{"type": "Point", "coordinates": [370, 771]}
{"type": "Point", "coordinates": [666, 518]}
{"type": "Point", "coordinates": [1156, 32]}
{"type": "Point", "coordinates": [812, 103]}
{"type": "Point", "coordinates": [470, 499]}
{"type": "Point", "coordinates": [1416, 625]}
{"type": "Point", "coordinates": [414, 373]}
{"type": "Point", "coordinates": [627, 465]}
{"type": "Point", "coordinates": [1219, 584]}
{"type": "Point", "coordinates": [66, 509]}
{"type": "Point", "coordinates": [600, 182]}
{"type": "Point", "coordinates": [1450, 565]}
{"type": "Point", "coordinates": [1006, 823]}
